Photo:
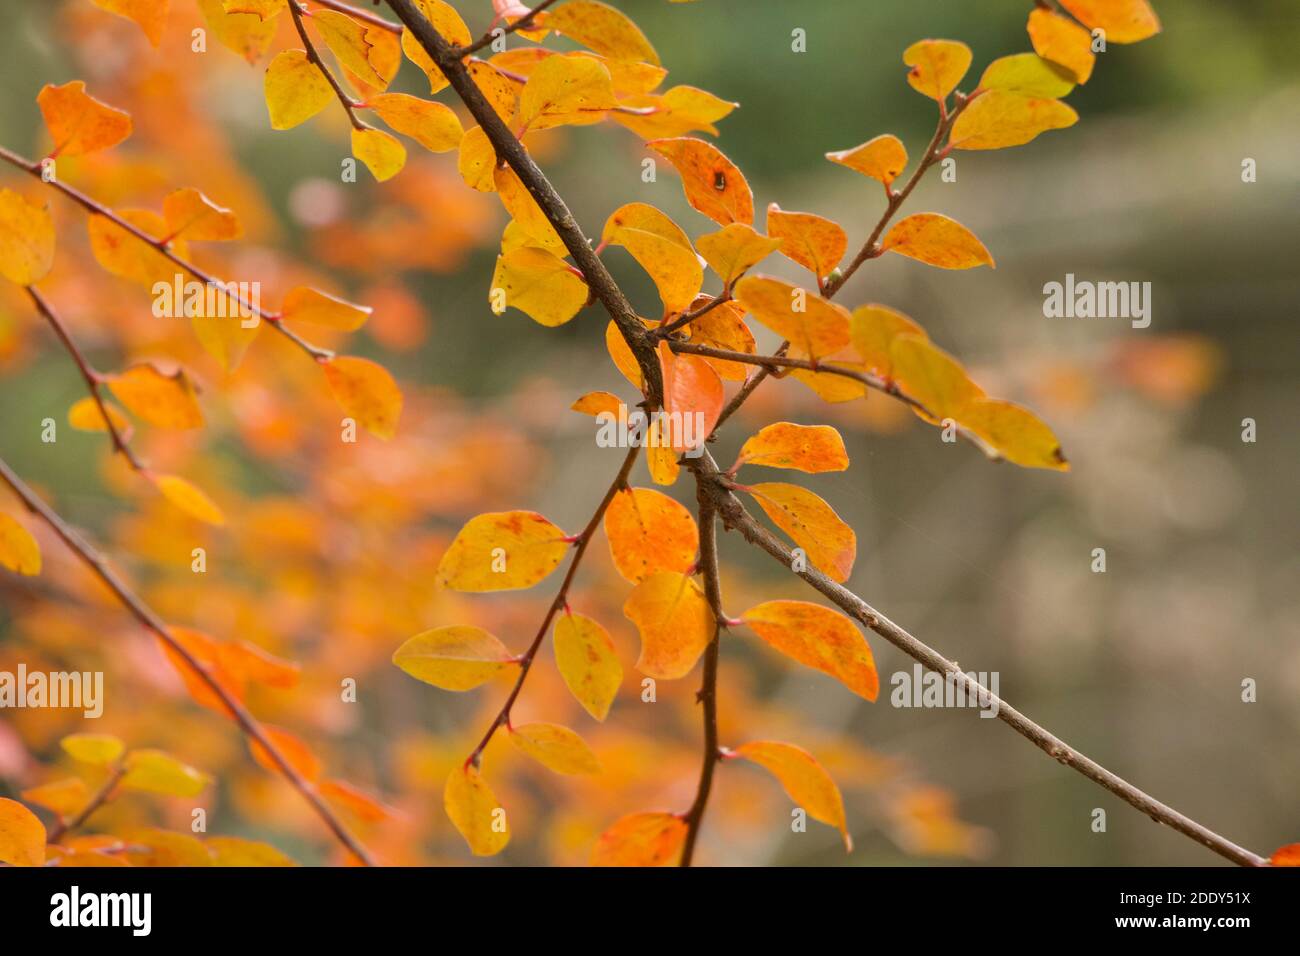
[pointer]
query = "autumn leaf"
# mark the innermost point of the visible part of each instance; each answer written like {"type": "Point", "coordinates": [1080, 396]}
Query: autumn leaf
{"type": "Point", "coordinates": [19, 551]}
{"type": "Point", "coordinates": [1014, 433]}
{"type": "Point", "coordinates": [78, 123]}
{"type": "Point", "coordinates": [677, 112]}
{"type": "Point", "coordinates": [818, 327]}
{"type": "Point", "coordinates": [149, 15]}
{"type": "Point", "coordinates": [477, 161]}
{"type": "Point", "coordinates": [304, 304]}
{"type": "Point", "coordinates": [295, 751]}
{"type": "Point", "coordinates": [64, 797]}
{"type": "Point", "coordinates": [714, 185]}
{"type": "Point", "coordinates": [193, 215]}
{"type": "Point", "coordinates": [154, 771]}
{"type": "Point", "coordinates": [556, 748]}
{"type": "Point", "coordinates": [383, 154]}
{"type": "Point", "coordinates": [937, 66]}
{"type": "Point", "coordinates": [723, 327]}
{"type": "Point", "coordinates": [816, 243]}
{"type": "Point", "coordinates": [189, 498]}
{"type": "Point", "coordinates": [586, 660]}
{"type": "Point", "coordinates": [819, 638]}
{"type": "Point", "coordinates": [660, 458]}
{"type": "Point", "coordinates": [500, 91]}
{"type": "Point", "coordinates": [349, 41]}
{"type": "Point", "coordinates": [1062, 41]}
{"type": "Point", "coordinates": [932, 377]}
{"type": "Point", "coordinates": [649, 532]}
{"type": "Point", "coordinates": [95, 750]}
{"type": "Point", "coordinates": [641, 839]}
{"type": "Point", "coordinates": [873, 330]}
{"type": "Point", "coordinates": [675, 623]}
{"type": "Point", "coordinates": [475, 812]}
{"type": "Point", "coordinates": [523, 209]}
{"type": "Point", "coordinates": [599, 403]}
{"type": "Point", "coordinates": [26, 239]}
{"type": "Point", "coordinates": [808, 448]}
{"type": "Point", "coordinates": [295, 90]}
{"type": "Point", "coordinates": [733, 250]}
{"type": "Point", "coordinates": [22, 835]}
{"type": "Point", "coordinates": [434, 126]}
{"type": "Point", "coordinates": [245, 33]}
{"type": "Point", "coordinates": [125, 254]}
{"type": "Point", "coordinates": [661, 248]}
{"type": "Point", "coordinates": [367, 392]}
{"type": "Point", "coordinates": [805, 781]}
{"type": "Point", "coordinates": [830, 544]}
{"type": "Point", "coordinates": [693, 398]}
{"type": "Point", "coordinates": [564, 90]}
{"type": "Point", "coordinates": [164, 401]}
{"type": "Point", "coordinates": [236, 851]}
{"type": "Point", "coordinates": [601, 28]}
{"type": "Point", "coordinates": [85, 415]}
{"type": "Point", "coordinates": [937, 240]}
{"type": "Point", "coordinates": [998, 119]}
{"type": "Point", "coordinates": [538, 283]}
{"type": "Point", "coordinates": [502, 551]}
{"type": "Point", "coordinates": [1288, 855]}
{"type": "Point", "coordinates": [1125, 21]}
{"type": "Point", "coordinates": [883, 158]}
{"type": "Point", "coordinates": [1029, 75]}
{"type": "Point", "coordinates": [356, 802]}
{"type": "Point", "coordinates": [454, 657]}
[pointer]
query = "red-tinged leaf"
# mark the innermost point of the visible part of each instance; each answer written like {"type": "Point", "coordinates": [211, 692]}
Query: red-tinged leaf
{"type": "Point", "coordinates": [296, 752]}
{"type": "Point", "coordinates": [1288, 855]}
{"type": "Point", "coordinates": [693, 399]}
{"type": "Point", "coordinates": [79, 123]}
{"type": "Point", "coordinates": [641, 839]}
{"type": "Point", "coordinates": [714, 185]}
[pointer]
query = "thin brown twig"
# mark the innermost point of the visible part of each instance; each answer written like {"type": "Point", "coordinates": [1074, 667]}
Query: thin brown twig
{"type": "Point", "coordinates": [523, 23]}
{"type": "Point", "coordinates": [296, 11]}
{"type": "Point", "coordinates": [164, 247]}
{"type": "Point", "coordinates": [66, 825]}
{"type": "Point", "coordinates": [150, 619]}
{"type": "Point", "coordinates": [560, 602]}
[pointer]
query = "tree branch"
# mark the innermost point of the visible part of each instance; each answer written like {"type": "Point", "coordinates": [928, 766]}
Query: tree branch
{"type": "Point", "coordinates": [523, 23]}
{"type": "Point", "coordinates": [349, 104]}
{"type": "Point", "coordinates": [97, 800]}
{"type": "Point", "coordinates": [147, 617]}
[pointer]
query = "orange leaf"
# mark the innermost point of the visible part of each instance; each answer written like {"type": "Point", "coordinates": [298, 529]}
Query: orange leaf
{"type": "Point", "coordinates": [603, 29]}
{"type": "Point", "coordinates": [85, 416]}
{"type": "Point", "coordinates": [807, 448]}
{"type": "Point", "coordinates": [649, 532]}
{"type": "Point", "coordinates": [936, 240]}
{"type": "Point", "coordinates": [383, 154]}
{"type": "Point", "coordinates": [304, 304]}
{"type": "Point", "coordinates": [829, 543]}
{"type": "Point", "coordinates": [724, 327]}
{"type": "Point", "coordinates": [296, 753]}
{"type": "Point", "coordinates": [932, 377]}
{"type": "Point", "coordinates": [124, 254]}
{"type": "Point", "coordinates": [65, 797]}
{"type": "Point", "coordinates": [816, 243]}
{"type": "Point", "coordinates": [714, 185]}
{"type": "Point", "coordinates": [434, 126]}
{"type": "Point", "coordinates": [26, 239]}
{"type": "Point", "coordinates": [819, 638]}
{"type": "Point", "coordinates": [22, 835]}
{"type": "Point", "coordinates": [1062, 41]}
{"type": "Point", "coordinates": [937, 66]}
{"type": "Point", "coordinates": [693, 398]}
{"type": "Point", "coordinates": [294, 89]}
{"type": "Point", "coordinates": [874, 328]}
{"type": "Point", "coordinates": [19, 551]}
{"type": "Point", "coordinates": [599, 403]}
{"type": "Point", "coordinates": [474, 811]}
{"type": "Point", "coordinates": [164, 401]}
{"type": "Point", "coordinates": [675, 623]}
{"type": "Point", "coordinates": [735, 249]}
{"type": "Point", "coordinates": [150, 15]}
{"type": "Point", "coordinates": [805, 781]}
{"type": "Point", "coordinates": [445, 20]}
{"type": "Point", "coordinates": [360, 804]}
{"type": "Point", "coordinates": [641, 839]}
{"type": "Point", "coordinates": [189, 498]}
{"type": "Point", "coordinates": [538, 283]}
{"type": "Point", "coordinates": [566, 90]}
{"type": "Point", "coordinates": [79, 123]}
{"type": "Point", "coordinates": [190, 213]}
{"type": "Point", "coordinates": [813, 324]}
{"type": "Point", "coordinates": [367, 392]}
{"type": "Point", "coordinates": [1288, 855]}
{"type": "Point", "coordinates": [1125, 21]}
{"type": "Point", "coordinates": [502, 551]}
{"type": "Point", "coordinates": [883, 158]}
{"type": "Point", "coordinates": [999, 119]}
{"type": "Point", "coordinates": [661, 248]}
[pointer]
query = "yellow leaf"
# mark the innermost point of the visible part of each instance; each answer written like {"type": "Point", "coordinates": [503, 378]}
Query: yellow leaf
{"type": "Point", "coordinates": [624, 360]}
{"type": "Point", "coordinates": [500, 91]}
{"type": "Point", "coordinates": [679, 111]}
{"type": "Point", "coordinates": [662, 250]}
{"type": "Point", "coordinates": [1062, 41]}
{"type": "Point", "coordinates": [819, 638]}
{"type": "Point", "coordinates": [883, 158]}
{"type": "Point", "coordinates": [65, 797]}
{"type": "Point", "coordinates": [1125, 21]}
{"type": "Point", "coordinates": [937, 66]}
{"type": "Point", "coordinates": [26, 239]}
{"type": "Point", "coordinates": [189, 213]}
{"type": "Point", "coordinates": [295, 89]}
{"type": "Point", "coordinates": [649, 532]}
{"type": "Point", "coordinates": [154, 771]}
{"type": "Point", "coordinates": [675, 623]}
{"type": "Point", "coordinates": [818, 327]}
{"type": "Point", "coordinates": [830, 544]}
{"type": "Point", "coordinates": [1029, 75]}
{"type": "Point", "coordinates": [79, 123]}
{"type": "Point", "coordinates": [265, 9]}
{"type": "Point", "coordinates": [1014, 433]}
{"type": "Point", "coordinates": [937, 240]}
{"type": "Point", "coordinates": [641, 839]}
{"type": "Point", "coordinates": [158, 848]}
{"type": "Point", "coordinates": [454, 657]}
{"type": "Point", "coordinates": [874, 328]}
{"type": "Point", "coordinates": [714, 185]}
{"type": "Point", "coordinates": [477, 161]}
{"type": "Point", "coordinates": [585, 656]}
{"type": "Point", "coordinates": [236, 851]}
{"type": "Point", "coordinates": [367, 392]}
{"type": "Point", "coordinates": [603, 29]}
{"type": "Point", "coordinates": [226, 337]}
{"type": "Point", "coordinates": [523, 209]}
{"type": "Point", "coordinates": [446, 21]}
{"type": "Point", "coordinates": [733, 250]}
{"type": "Point", "coordinates": [502, 551]}
{"type": "Point", "coordinates": [383, 154]}
{"type": "Point", "coordinates": [932, 377]}
{"type": "Point", "coordinates": [556, 748]}
{"type": "Point", "coordinates": [164, 401]}
{"type": "Point", "coordinates": [564, 90]}
{"type": "Point", "coordinates": [998, 119]}
{"type": "Point", "coordinates": [541, 285]}
{"type": "Point", "coordinates": [433, 125]}
{"type": "Point", "coordinates": [22, 835]}
{"type": "Point", "coordinates": [816, 243]}
{"type": "Point", "coordinates": [189, 498]}
{"type": "Point", "coordinates": [828, 386]}
{"type": "Point", "coordinates": [84, 415]}
{"type": "Point", "coordinates": [348, 40]}
{"type": "Point", "coordinates": [807, 448]}
{"type": "Point", "coordinates": [150, 15]}
{"type": "Point", "coordinates": [599, 403]}
{"type": "Point", "coordinates": [97, 750]}
{"type": "Point", "coordinates": [19, 551]}
{"type": "Point", "coordinates": [124, 254]}
{"type": "Point", "coordinates": [660, 459]}
{"type": "Point", "coordinates": [805, 781]}
{"type": "Point", "coordinates": [723, 327]}
{"type": "Point", "coordinates": [475, 812]}
{"type": "Point", "coordinates": [245, 33]}
{"type": "Point", "coordinates": [304, 304]}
